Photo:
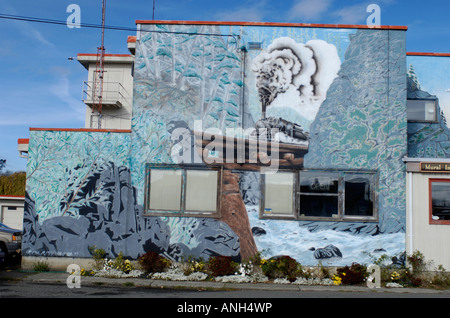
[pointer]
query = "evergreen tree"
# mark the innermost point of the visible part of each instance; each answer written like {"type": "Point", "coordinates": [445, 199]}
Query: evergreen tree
{"type": "Point", "coordinates": [2, 164]}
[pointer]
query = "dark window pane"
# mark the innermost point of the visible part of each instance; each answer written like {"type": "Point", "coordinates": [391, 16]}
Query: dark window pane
{"type": "Point", "coordinates": [440, 200]}
{"type": "Point", "coordinates": [358, 199]}
{"type": "Point", "coordinates": [318, 205]}
{"type": "Point", "coordinates": [319, 182]}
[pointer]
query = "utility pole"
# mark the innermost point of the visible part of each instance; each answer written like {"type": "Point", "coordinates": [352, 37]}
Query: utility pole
{"type": "Point", "coordinates": [96, 117]}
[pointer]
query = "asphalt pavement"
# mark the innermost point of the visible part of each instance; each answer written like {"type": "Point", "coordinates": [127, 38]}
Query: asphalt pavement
{"type": "Point", "coordinates": [64, 278]}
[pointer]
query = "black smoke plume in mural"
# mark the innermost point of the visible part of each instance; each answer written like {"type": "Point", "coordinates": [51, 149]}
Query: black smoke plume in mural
{"type": "Point", "coordinates": [294, 75]}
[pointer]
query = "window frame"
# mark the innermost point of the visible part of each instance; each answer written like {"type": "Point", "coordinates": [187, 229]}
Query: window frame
{"type": "Point", "coordinates": [430, 201]}
{"type": "Point", "coordinates": [182, 212]}
{"type": "Point", "coordinates": [341, 215]}
{"type": "Point", "coordinates": [435, 120]}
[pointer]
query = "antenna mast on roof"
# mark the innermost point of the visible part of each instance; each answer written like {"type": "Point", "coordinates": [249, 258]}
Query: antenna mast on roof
{"type": "Point", "coordinates": [96, 117]}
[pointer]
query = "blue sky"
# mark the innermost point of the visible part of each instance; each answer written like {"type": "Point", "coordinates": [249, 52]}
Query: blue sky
{"type": "Point", "coordinates": [41, 87]}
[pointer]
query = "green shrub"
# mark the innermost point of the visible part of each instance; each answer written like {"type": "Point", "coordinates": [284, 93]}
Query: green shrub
{"type": "Point", "coordinates": [41, 266]}
{"type": "Point", "coordinates": [192, 265]}
{"type": "Point", "coordinates": [122, 264]}
{"type": "Point", "coordinates": [417, 262]}
{"type": "Point", "coordinates": [441, 278]}
{"type": "Point", "coordinates": [281, 267]}
{"type": "Point", "coordinates": [221, 266]}
{"type": "Point", "coordinates": [98, 254]}
{"type": "Point", "coordinates": [413, 275]}
{"type": "Point", "coordinates": [152, 262]}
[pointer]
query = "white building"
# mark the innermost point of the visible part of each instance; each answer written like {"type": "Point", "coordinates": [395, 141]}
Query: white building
{"type": "Point", "coordinates": [11, 211]}
{"type": "Point", "coordinates": [117, 97]}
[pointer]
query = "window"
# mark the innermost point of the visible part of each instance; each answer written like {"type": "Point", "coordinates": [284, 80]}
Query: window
{"type": "Point", "coordinates": [320, 195]}
{"type": "Point", "coordinates": [201, 190]}
{"type": "Point", "coordinates": [165, 189]}
{"type": "Point", "coordinates": [421, 110]}
{"type": "Point", "coordinates": [359, 195]}
{"type": "Point", "coordinates": [187, 191]}
{"type": "Point", "coordinates": [279, 194]}
{"type": "Point", "coordinates": [439, 201]}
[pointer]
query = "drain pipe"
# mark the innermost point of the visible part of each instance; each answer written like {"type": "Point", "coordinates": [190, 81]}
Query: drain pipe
{"type": "Point", "coordinates": [410, 202]}
{"type": "Point", "coordinates": [410, 211]}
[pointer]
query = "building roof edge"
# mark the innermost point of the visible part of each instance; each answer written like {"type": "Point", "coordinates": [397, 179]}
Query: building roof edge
{"type": "Point", "coordinates": [427, 54]}
{"type": "Point", "coordinates": [282, 24]}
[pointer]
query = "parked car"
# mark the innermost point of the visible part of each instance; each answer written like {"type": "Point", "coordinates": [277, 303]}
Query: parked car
{"type": "Point", "coordinates": [10, 241]}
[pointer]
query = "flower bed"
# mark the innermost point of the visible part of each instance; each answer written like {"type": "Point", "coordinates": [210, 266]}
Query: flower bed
{"type": "Point", "coordinates": [277, 270]}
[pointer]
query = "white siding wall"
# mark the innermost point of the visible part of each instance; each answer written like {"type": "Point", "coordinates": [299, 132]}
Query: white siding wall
{"type": "Point", "coordinates": [114, 118]}
{"type": "Point", "coordinates": [11, 211]}
{"type": "Point", "coordinates": [430, 239]}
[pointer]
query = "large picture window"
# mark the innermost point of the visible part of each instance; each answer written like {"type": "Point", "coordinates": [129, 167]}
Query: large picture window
{"type": "Point", "coordinates": [439, 201]}
{"type": "Point", "coordinates": [320, 195]}
{"type": "Point", "coordinates": [186, 191]}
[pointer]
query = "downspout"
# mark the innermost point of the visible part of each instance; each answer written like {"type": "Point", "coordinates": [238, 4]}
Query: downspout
{"type": "Point", "coordinates": [410, 211]}
{"type": "Point", "coordinates": [243, 63]}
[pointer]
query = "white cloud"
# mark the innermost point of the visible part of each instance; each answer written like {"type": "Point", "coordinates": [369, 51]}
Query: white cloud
{"type": "Point", "coordinates": [36, 35]}
{"type": "Point", "coordinates": [61, 90]}
{"type": "Point", "coordinates": [308, 10]}
{"type": "Point", "coordinates": [47, 103]}
{"type": "Point", "coordinates": [28, 29]}
{"type": "Point", "coordinates": [249, 11]}
{"type": "Point", "coordinates": [352, 14]}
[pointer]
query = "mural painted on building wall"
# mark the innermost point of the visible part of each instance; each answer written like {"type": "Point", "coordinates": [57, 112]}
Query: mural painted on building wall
{"type": "Point", "coordinates": [426, 82]}
{"type": "Point", "coordinates": [291, 79]}
{"type": "Point", "coordinates": [345, 104]}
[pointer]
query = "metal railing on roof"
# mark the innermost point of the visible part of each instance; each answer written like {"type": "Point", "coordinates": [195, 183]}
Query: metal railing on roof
{"type": "Point", "coordinates": [114, 94]}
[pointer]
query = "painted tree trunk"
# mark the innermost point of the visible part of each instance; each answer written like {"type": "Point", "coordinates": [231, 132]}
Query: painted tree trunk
{"type": "Point", "coordinates": [233, 213]}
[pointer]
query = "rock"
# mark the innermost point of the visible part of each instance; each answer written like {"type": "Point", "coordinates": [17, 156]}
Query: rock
{"type": "Point", "coordinates": [328, 251]}
{"type": "Point", "coordinates": [257, 231]}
